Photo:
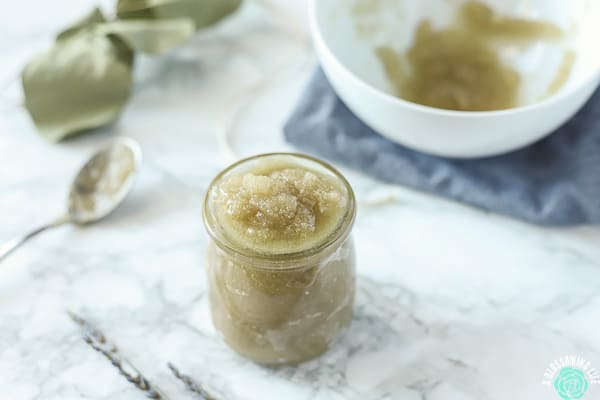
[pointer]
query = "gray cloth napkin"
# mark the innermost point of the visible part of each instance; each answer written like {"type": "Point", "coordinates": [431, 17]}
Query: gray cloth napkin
{"type": "Point", "coordinates": [555, 181]}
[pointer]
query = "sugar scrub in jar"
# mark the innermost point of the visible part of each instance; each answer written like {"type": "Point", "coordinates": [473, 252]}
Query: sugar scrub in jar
{"type": "Point", "coordinates": [281, 265]}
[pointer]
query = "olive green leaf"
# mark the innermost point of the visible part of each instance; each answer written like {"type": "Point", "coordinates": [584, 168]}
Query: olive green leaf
{"type": "Point", "coordinates": [153, 37]}
{"type": "Point", "coordinates": [89, 20]}
{"type": "Point", "coordinates": [203, 12]}
{"type": "Point", "coordinates": [82, 82]}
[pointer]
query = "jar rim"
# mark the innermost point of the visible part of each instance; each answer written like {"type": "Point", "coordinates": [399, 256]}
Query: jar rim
{"type": "Point", "coordinates": [279, 259]}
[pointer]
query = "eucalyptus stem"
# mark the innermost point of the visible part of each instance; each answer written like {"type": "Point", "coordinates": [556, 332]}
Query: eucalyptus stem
{"type": "Point", "coordinates": [96, 339]}
{"type": "Point", "coordinates": [192, 385]}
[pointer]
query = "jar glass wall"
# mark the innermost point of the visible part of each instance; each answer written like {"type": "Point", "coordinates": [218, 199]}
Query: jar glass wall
{"type": "Point", "coordinates": [281, 265]}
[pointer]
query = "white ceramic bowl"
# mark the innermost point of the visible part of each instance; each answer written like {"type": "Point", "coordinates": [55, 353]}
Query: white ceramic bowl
{"type": "Point", "coordinates": [348, 59]}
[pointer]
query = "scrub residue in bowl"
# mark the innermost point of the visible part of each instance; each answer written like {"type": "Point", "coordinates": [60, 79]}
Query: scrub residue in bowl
{"type": "Point", "coordinates": [459, 67]}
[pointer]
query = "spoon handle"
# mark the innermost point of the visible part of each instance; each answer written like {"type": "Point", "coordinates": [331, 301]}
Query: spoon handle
{"type": "Point", "coordinates": [11, 245]}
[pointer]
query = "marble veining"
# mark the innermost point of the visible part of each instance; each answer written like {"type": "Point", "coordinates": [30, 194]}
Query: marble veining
{"type": "Point", "coordinates": [452, 303]}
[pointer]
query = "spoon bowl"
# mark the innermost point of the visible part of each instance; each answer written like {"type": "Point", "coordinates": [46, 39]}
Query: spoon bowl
{"type": "Point", "coordinates": [104, 181]}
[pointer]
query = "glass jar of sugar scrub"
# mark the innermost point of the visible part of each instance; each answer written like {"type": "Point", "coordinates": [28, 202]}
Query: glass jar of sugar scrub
{"type": "Point", "coordinates": [281, 265]}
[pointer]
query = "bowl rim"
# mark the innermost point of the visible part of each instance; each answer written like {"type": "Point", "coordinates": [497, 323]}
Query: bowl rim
{"type": "Point", "coordinates": [320, 42]}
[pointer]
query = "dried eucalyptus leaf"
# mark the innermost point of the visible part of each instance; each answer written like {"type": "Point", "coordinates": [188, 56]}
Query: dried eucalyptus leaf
{"type": "Point", "coordinates": [153, 37]}
{"type": "Point", "coordinates": [82, 82]}
{"type": "Point", "coordinates": [203, 12]}
{"type": "Point", "coordinates": [89, 20]}
{"type": "Point", "coordinates": [140, 9]}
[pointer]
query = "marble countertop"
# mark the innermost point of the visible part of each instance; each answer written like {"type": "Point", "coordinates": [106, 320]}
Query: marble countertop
{"type": "Point", "coordinates": [453, 303]}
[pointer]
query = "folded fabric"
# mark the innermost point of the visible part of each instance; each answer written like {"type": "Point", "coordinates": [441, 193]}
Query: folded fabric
{"type": "Point", "coordinates": [555, 181]}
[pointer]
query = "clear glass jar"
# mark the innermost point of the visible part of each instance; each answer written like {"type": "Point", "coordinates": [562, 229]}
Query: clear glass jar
{"type": "Point", "coordinates": [288, 307]}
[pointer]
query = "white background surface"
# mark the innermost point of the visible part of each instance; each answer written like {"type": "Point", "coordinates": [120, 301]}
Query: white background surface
{"type": "Point", "coordinates": [453, 303]}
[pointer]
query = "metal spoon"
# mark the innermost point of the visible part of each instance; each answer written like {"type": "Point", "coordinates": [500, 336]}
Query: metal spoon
{"type": "Point", "coordinates": [99, 187]}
